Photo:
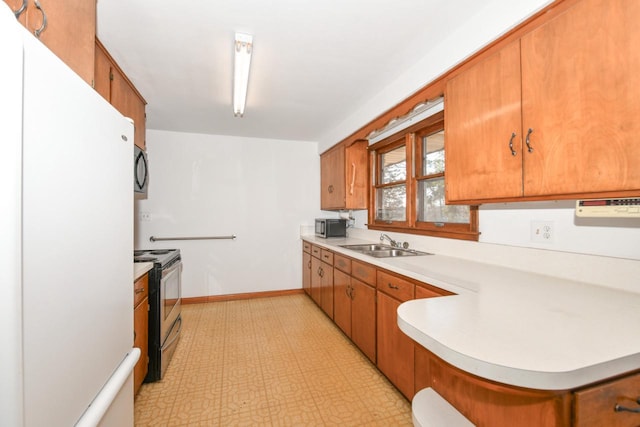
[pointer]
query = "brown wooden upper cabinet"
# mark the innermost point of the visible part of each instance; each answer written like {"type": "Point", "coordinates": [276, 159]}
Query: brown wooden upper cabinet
{"type": "Point", "coordinates": [115, 87]}
{"type": "Point", "coordinates": [343, 177]}
{"type": "Point", "coordinates": [69, 32]}
{"type": "Point", "coordinates": [552, 115]}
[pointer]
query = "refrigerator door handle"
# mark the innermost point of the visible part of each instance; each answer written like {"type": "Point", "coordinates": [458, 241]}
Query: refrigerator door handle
{"type": "Point", "coordinates": [96, 410]}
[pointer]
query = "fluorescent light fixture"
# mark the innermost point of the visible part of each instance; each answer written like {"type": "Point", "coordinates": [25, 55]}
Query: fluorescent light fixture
{"type": "Point", "coordinates": [243, 48]}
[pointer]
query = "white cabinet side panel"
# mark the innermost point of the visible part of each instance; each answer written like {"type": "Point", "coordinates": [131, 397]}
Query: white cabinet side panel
{"type": "Point", "coordinates": [10, 220]}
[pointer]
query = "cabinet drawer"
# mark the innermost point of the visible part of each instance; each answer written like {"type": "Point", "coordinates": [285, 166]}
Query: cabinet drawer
{"type": "Point", "coordinates": [326, 256]}
{"type": "Point", "coordinates": [342, 263]}
{"type": "Point", "coordinates": [315, 251]}
{"type": "Point", "coordinates": [140, 289]}
{"type": "Point", "coordinates": [306, 246]}
{"type": "Point", "coordinates": [396, 287]}
{"type": "Point", "coordinates": [594, 406]}
{"type": "Point", "coordinates": [364, 272]}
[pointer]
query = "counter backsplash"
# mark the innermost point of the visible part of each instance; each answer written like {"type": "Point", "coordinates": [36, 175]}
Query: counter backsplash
{"type": "Point", "coordinates": [599, 270]}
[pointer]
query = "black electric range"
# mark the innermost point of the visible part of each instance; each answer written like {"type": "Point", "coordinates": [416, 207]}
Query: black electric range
{"type": "Point", "coordinates": [165, 297]}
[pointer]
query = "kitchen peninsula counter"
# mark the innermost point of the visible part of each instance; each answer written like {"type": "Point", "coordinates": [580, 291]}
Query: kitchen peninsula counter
{"type": "Point", "coordinates": [512, 326]}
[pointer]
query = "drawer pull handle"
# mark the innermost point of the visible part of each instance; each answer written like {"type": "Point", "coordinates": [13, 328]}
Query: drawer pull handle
{"type": "Point", "coordinates": [139, 290]}
{"type": "Point", "coordinates": [393, 286]}
{"type": "Point", "coordinates": [619, 408]}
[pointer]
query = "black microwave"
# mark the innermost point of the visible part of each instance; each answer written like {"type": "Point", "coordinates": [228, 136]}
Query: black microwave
{"type": "Point", "coordinates": [140, 171]}
{"type": "Point", "coordinates": [331, 227]}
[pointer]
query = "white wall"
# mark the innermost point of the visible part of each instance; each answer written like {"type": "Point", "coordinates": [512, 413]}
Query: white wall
{"type": "Point", "coordinates": [207, 185]}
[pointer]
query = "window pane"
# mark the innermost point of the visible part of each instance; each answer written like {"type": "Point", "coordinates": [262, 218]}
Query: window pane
{"type": "Point", "coordinates": [431, 207]}
{"type": "Point", "coordinates": [392, 203]}
{"type": "Point", "coordinates": [433, 153]}
{"type": "Point", "coordinates": [393, 165]}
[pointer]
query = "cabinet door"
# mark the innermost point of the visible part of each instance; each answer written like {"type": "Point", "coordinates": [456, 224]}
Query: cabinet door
{"type": "Point", "coordinates": [327, 289]}
{"type": "Point", "coordinates": [140, 340]}
{"type": "Point", "coordinates": [580, 91]}
{"type": "Point", "coordinates": [316, 280]}
{"type": "Point", "coordinates": [482, 113]}
{"type": "Point", "coordinates": [363, 318]}
{"type": "Point", "coordinates": [356, 176]}
{"type": "Point", "coordinates": [306, 272]}
{"type": "Point", "coordinates": [126, 100]}
{"type": "Point", "coordinates": [332, 179]}
{"type": "Point", "coordinates": [395, 349]}
{"type": "Point", "coordinates": [69, 33]}
{"type": "Point", "coordinates": [102, 79]}
{"type": "Point", "coordinates": [342, 301]}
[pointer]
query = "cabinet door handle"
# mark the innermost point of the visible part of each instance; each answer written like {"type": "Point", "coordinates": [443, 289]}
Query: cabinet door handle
{"type": "Point", "coordinates": [351, 292]}
{"type": "Point", "coordinates": [330, 189]}
{"type": "Point", "coordinates": [309, 265]}
{"type": "Point", "coordinates": [22, 8]}
{"type": "Point", "coordinates": [44, 20]}
{"type": "Point", "coordinates": [139, 290]}
{"type": "Point", "coordinates": [513, 152]}
{"type": "Point", "coordinates": [528, 140]}
{"type": "Point", "coordinates": [393, 286]}
{"type": "Point", "coordinates": [353, 178]}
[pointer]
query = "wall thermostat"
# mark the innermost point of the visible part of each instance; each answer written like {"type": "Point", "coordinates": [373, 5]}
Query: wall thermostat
{"type": "Point", "coordinates": [609, 208]}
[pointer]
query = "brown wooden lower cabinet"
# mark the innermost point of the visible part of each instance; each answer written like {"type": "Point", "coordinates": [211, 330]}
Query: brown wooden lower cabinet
{"type": "Point", "coordinates": [395, 349]}
{"type": "Point", "coordinates": [372, 326]}
{"type": "Point", "coordinates": [316, 279]}
{"type": "Point", "coordinates": [596, 405]}
{"type": "Point", "coordinates": [363, 317]}
{"type": "Point", "coordinates": [306, 272]}
{"type": "Point", "coordinates": [487, 403]}
{"type": "Point", "coordinates": [141, 329]}
{"type": "Point", "coordinates": [342, 301]}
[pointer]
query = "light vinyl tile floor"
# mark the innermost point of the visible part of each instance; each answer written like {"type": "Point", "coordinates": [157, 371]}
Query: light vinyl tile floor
{"type": "Point", "coordinates": [277, 361]}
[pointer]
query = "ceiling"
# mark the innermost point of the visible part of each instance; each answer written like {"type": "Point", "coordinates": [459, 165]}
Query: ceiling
{"type": "Point", "coordinates": [314, 62]}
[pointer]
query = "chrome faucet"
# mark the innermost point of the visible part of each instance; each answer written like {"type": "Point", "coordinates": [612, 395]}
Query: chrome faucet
{"type": "Point", "coordinates": [391, 241]}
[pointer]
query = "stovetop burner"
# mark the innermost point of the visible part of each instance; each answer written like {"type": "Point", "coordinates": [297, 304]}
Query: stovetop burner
{"type": "Point", "coordinates": [160, 257]}
{"type": "Point", "coordinates": [143, 259]}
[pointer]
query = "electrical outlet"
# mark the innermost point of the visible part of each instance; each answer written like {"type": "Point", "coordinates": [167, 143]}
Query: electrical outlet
{"type": "Point", "coordinates": [542, 231]}
{"type": "Point", "coordinates": [144, 216]}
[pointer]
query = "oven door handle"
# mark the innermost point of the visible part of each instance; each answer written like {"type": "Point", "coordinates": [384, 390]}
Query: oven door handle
{"type": "Point", "coordinates": [176, 335]}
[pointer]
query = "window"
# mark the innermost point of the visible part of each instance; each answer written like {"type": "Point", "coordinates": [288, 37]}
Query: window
{"type": "Point", "coordinates": [409, 186]}
{"type": "Point", "coordinates": [391, 194]}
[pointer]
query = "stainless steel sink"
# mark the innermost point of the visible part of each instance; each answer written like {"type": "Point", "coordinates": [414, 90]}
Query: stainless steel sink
{"type": "Point", "coordinates": [368, 247]}
{"type": "Point", "coordinates": [383, 251]}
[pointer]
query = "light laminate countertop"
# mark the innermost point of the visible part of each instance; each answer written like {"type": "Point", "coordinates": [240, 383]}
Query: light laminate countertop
{"type": "Point", "coordinates": [140, 268]}
{"type": "Point", "coordinates": [512, 326]}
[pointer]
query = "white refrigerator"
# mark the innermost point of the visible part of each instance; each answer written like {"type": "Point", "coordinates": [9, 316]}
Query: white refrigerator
{"type": "Point", "coordinates": [66, 241]}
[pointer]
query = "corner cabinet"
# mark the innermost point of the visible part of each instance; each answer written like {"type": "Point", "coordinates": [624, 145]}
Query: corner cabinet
{"type": "Point", "coordinates": [115, 87]}
{"type": "Point", "coordinates": [344, 177]}
{"type": "Point", "coordinates": [69, 32]}
{"type": "Point", "coordinates": [552, 115]}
